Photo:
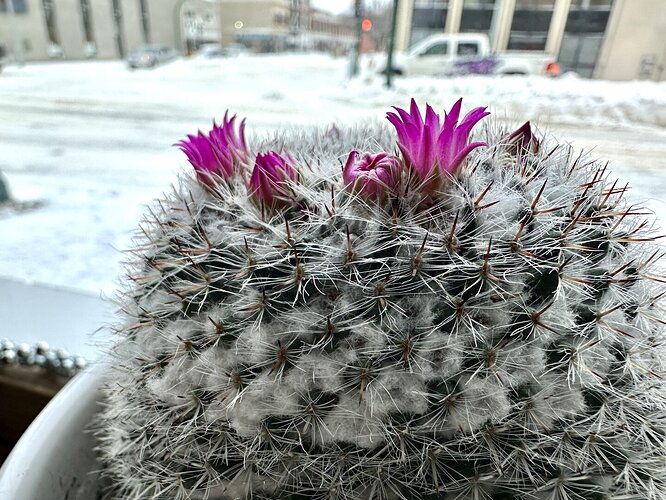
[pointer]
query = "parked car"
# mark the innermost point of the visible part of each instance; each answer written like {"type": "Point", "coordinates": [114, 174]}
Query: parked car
{"type": "Point", "coordinates": [210, 50]}
{"type": "Point", "coordinates": [149, 56]}
{"type": "Point", "coordinates": [213, 50]}
{"type": "Point", "coordinates": [466, 53]}
{"type": "Point", "coordinates": [235, 50]}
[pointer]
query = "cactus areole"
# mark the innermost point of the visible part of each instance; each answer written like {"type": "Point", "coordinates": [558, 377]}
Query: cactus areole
{"type": "Point", "coordinates": [430, 312]}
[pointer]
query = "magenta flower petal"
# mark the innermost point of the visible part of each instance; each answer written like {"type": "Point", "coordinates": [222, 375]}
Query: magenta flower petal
{"type": "Point", "coordinates": [371, 175]}
{"type": "Point", "coordinates": [451, 118]}
{"type": "Point", "coordinates": [415, 112]}
{"type": "Point", "coordinates": [202, 157]}
{"type": "Point", "coordinates": [349, 170]}
{"type": "Point", "coordinates": [217, 153]}
{"type": "Point", "coordinates": [454, 136]}
{"type": "Point", "coordinates": [471, 119]}
{"type": "Point", "coordinates": [432, 118]}
{"type": "Point", "coordinates": [272, 173]}
{"type": "Point", "coordinates": [431, 148]}
{"type": "Point", "coordinates": [229, 144]}
{"type": "Point", "coordinates": [428, 154]}
{"type": "Point", "coordinates": [524, 138]}
{"type": "Point", "coordinates": [462, 154]}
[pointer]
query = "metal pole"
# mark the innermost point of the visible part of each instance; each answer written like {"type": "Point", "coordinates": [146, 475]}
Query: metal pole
{"type": "Point", "coordinates": [359, 34]}
{"type": "Point", "coordinates": [17, 51]}
{"type": "Point", "coordinates": [391, 45]}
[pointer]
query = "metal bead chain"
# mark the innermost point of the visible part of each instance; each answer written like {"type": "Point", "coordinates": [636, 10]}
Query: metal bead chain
{"type": "Point", "coordinates": [51, 360]}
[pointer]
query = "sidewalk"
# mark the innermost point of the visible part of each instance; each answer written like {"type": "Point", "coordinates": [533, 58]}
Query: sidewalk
{"type": "Point", "coordinates": [65, 319]}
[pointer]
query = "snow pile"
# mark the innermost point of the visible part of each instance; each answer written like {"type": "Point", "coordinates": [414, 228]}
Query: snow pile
{"type": "Point", "coordinates": [312, 88]}
{"type": "Point", "coordinates": [565, 100]}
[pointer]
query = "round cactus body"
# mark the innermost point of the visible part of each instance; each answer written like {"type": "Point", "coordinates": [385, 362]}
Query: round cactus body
{"type": "Point", "coordinates": [345, 317]}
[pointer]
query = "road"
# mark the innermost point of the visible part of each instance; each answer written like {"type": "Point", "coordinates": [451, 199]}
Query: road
{"type": "Point", "coordinates": [91, 144]}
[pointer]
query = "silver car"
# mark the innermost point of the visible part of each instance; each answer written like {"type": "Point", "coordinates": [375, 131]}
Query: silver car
{"type": "Point", "coordinates": [149, 56]}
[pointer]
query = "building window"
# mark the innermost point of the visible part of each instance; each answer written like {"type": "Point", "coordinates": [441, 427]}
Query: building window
{"type": "Point", "coordinates": [281, 19]}
{"type": "Point", "coordinates": [145, 26]}
{"type": "Point", "coordinates": [584, 35]}
{"type": "Point", "coordinates": [50, 19]}
{"type": "Point", "coordinates": [439, 4]}
{"type": "Point", "coordinates": [535, 4]}
{"type": "Point", "coordinates": [87, 21]}
{"type": "Point", "coordinates": [117, 11]}
{"type": "Point", "coordinates": [428, 17]}
{"type": "Point", "coordinates": [20, 6]}
{"type": "Point", "coordinates": [530, 24]}
{"type": "Point", "coordinates": [591, 4]}
{"type": "Point", "coordinates": [438, 49]}
{"type": "Point", "coordinates": [89, 47]}
{"type": "Point", "coordinates": [477, 16]}
{"type": "Point", "coordinates": [468, 49]}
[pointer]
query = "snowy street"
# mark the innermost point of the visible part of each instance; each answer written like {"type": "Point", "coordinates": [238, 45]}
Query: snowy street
{"type": "Point", "coordinates": [85, 146]}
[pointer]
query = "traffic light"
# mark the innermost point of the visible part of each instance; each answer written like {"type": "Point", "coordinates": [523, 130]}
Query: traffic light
{"type": "Point", "coordinates": [366, 25]}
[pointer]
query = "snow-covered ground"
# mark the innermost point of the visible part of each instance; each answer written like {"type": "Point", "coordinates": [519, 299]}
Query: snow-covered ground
{"type": "Point", "coordinates": [91, 142]}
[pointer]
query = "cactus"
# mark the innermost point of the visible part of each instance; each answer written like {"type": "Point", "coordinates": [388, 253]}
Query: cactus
{"type": "Point", "coordinates": [441, 319]}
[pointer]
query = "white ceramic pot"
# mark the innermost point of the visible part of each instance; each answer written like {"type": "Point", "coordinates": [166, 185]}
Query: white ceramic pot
{"type": "Point", "coordinates": [55, 457]}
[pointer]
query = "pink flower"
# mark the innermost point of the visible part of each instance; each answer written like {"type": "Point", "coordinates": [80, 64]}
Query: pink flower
{"type": "Point", "coordinates": [272, 173]}
{"type": "Point", "coordinates": [229, 145]}
{"type": "Point", "coordinates": [372, 175]}
{"type": "Point", "coordinates": [430, 148]}
{"type": "Point", "coordinates": [217, 153]}
{"type": "Point", "coordinates": [200, 154]}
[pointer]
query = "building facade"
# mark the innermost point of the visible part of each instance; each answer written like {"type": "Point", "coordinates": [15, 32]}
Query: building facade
{"type": "Point", "coordinates": [107, 29]}
{"type": "Point", "coordinates": [79, 29]}
{"type": "Point", "coordinates": [277, 25]}
{"type": "Point", "coordinates": [608, 39]}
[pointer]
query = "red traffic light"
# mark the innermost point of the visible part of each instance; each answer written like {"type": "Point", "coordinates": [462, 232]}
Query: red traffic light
{"type": "Point", "coordinates": [366, 25]}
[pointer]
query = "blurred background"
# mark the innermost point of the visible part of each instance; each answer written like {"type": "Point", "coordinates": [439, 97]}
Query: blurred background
{"type": "Point", "coordinates": [94, 93]}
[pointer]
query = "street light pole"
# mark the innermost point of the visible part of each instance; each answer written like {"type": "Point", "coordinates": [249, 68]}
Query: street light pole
{"type": "Point", "coordinates": [359, 34]}
{"type": "Point", "coordinates": [391, 45]}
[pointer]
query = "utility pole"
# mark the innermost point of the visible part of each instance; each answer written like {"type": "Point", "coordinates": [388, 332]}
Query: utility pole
{"type": "Point", "coordinates": [359, 34]}
{"type": "Point", "coordinates": [17, 50]}
{"type": "Point", "coordinates": [391, 45]}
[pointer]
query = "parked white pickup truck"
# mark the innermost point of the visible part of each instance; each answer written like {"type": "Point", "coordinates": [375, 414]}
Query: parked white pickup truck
{"type": "Point", "coordinates": [465, 53]}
